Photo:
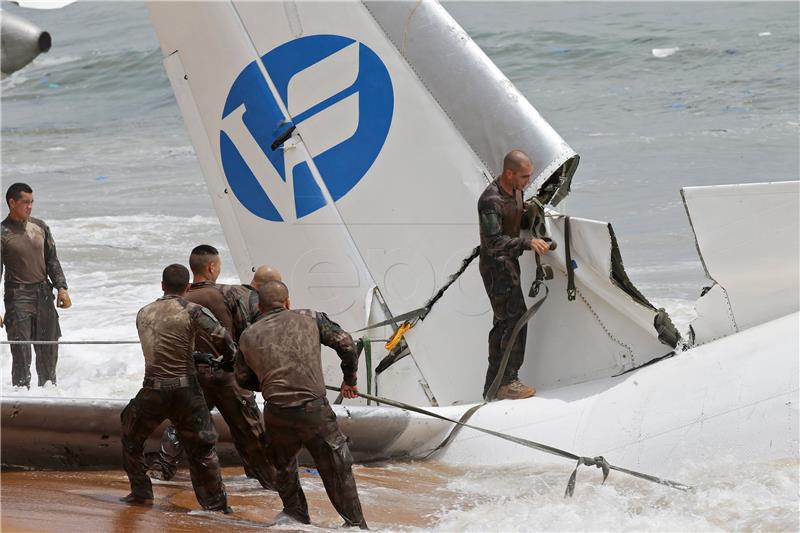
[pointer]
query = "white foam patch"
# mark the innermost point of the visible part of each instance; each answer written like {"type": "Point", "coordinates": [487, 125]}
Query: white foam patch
{"type": "Point", "coordinates": [14, 80]}
{"type": "Point", "coordinates": [728, 496]}
{"type": "Point", "coordinates": [51, 61]}
{"type": "Point", "coordinates": [664, 52]}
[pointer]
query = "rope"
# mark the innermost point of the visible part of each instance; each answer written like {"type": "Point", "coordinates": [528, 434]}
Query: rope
{"type": "Point", "coordinates": [453, 277]}
{"type": "Point", "coordinates": [69, 342]}
{"type": "Point", "coordinates": [599, 461]}
{"type": "Point", "coordinates": [368, 340]}
{"type": "Point", "coordinates": [421, 312]}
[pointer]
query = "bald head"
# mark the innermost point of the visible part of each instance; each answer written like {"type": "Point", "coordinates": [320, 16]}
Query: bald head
{"type": "Point", "coordinates": [273, 294]}
{"type": "Point", "coordinates": [263, 274]}
{"type": "Point", "coordinates": [516, 160]}
{"type": "Point", "coordinates": [517, 171]}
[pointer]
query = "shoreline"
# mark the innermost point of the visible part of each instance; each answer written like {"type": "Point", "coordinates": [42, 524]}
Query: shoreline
{"type": "Point", "coordinates": [58, 501]}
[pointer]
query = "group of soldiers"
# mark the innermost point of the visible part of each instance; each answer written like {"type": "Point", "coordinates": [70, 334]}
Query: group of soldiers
{"type": "Point", "coordinates": [189, 338]}
{"type": "Point", "coordinates": [209, 345]}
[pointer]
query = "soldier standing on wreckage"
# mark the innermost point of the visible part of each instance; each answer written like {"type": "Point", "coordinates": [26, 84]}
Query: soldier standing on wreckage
{"type": "Point", "coordinates": [167, 329]}
{"type": "Point", "coordinates": [237, 406]}
{"type": "Point", "coordinates": [501, 211]}
{"type": "Point", "coordinates": [280, 356]}
{"type": "Point", "coordinates": [29, 258]}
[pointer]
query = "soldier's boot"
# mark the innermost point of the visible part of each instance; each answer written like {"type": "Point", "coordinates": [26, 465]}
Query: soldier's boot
{"type": "Point", "coordinates": [163, 464]}
{"type": "Point", "coordinates": [134, 499]}
{"type": "Point", "coordinates": [287, 516]}
{"type": "Point", "coordinates": [361, 525]}
{"type": "Point", "coordinates": [294, 502]}
{"type": "Point", "coordinates": [157, 468]}
{"type": "Point", "coordinates": [516, 390]}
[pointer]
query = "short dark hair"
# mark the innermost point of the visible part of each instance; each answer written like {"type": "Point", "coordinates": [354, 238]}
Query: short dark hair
{"type": "Point", "coordinates": [175, 278]}
{"type": "Point", "coordinates": [16, 190]}
{"type": "Point", "coordinates": [201, 256]}
{"type": "Point", "coordinates": [272, 294]}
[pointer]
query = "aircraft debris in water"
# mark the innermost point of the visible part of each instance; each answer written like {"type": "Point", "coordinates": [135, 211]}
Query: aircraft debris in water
{"type": "Point", "coordinates": [347, 144]}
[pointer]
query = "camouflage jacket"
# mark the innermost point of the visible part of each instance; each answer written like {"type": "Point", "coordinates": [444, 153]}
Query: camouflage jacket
{"type": "Point", "coordinates": [167, 329]}
{"type": "Point", "coordinates": [280, 355]}
{"type": "Point", "coordinates": [28, 253]}
{"type": "Point", "coordinates": [249, 297]}
{"type": "Point", "coordinates": [226, 304]}
{"type": "Point", "coordinates": [501, 216]}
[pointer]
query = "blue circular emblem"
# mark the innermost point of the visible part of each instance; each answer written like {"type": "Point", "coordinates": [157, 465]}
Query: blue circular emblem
{"type": "Point", "coordinates": [254, 127]}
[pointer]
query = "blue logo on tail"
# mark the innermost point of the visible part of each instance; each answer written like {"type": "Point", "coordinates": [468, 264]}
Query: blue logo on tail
{"type": "Point", "coordinates": [341, 87]}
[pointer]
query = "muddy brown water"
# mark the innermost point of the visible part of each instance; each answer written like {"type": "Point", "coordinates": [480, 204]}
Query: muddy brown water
{"type": "Point", "coordinates": [89, 501]}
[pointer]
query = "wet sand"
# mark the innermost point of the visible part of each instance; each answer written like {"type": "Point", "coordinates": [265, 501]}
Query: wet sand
{"type": "Point", "coordinates": [88, 501]}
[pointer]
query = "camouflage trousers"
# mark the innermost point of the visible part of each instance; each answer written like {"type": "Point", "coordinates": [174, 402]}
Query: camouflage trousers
{"type": "Point", "coordinates": [186, 408]}
{"type": "Point", "coordinates": [314, 426]}
{"type": "Point", "coordinates": [31, 316]}
{"type": "Point", "coordinates": [502, 283]}
{"type": "Point", "coordinates": [239, 410]}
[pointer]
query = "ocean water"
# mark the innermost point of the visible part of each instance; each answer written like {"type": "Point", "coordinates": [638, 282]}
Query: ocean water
{"type": "Point", "coordinates": [654, 96]}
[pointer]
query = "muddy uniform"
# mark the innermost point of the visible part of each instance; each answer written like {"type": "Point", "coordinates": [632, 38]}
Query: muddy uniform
{"type": "Point", "coordinates": [167, 329]}
{"type": "Point", "coordinates": [236, 405]}
{"type": "Point", "coordinates": [501, 216]}
{"type": "Point", "coordinates": [249, 295]}
{"type": "Point", "coordinates": [280, 356]}
{"type": "Point", "coordinates": [29, 258]}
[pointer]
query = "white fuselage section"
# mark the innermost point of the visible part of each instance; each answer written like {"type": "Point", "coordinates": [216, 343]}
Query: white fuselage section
{"type": "Point", "coordinates": [737, 396]}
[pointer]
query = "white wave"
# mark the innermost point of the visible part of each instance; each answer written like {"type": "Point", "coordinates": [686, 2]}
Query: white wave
{"type": "Point", "coordinates": [44, 4]}
{"type": "Point", "coordinates": [729, 496]}
{"type": "Point", "coordinates": [664, 52]}
{"type": "Point", "coordinates": [15, 79]}
{"type": "Point", "coordinates": [50, 61]}
{"type": "Point", "coordinates": [150, 233]}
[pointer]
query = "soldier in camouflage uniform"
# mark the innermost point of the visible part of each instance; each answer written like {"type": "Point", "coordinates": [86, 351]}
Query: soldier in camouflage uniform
{"type": "Point", "coordinates": [280, 356]}
{"type": "Point", "coordinates": [249, 292]}
{"type": "Point", "coordinates": [29, 258]}
{"type": "Point", "coordinates": [167, 329]}
{"type": "Point", "coordinates": [236, 405]}
{"type": "Point", "coordinates": [500, 211]}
